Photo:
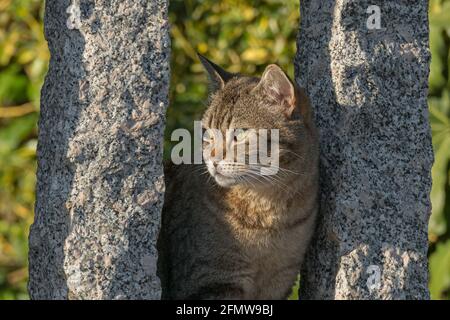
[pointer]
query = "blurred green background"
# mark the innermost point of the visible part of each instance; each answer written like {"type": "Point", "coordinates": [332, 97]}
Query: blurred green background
{"type": "Point", "coordinates": [239, 35]}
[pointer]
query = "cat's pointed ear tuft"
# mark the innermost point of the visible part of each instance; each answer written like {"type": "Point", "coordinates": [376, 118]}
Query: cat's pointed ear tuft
{"type": "Point", "coordinates": [277, 86]}
{"type": "Point", "coordinates": [216, 74]}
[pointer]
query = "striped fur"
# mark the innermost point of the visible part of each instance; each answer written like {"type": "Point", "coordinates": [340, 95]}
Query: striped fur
{"type": "Point", "coordinates": [247, 240]}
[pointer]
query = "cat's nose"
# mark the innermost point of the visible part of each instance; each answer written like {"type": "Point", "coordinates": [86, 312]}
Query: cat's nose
{"type": "Point", "coordinates": [215, 163]}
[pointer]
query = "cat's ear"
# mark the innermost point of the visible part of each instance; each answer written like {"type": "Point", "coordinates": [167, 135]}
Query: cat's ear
{"type": "Point", "coordinates": [217, 75]}
{"type": "Point", "coordinates": [277, 86]}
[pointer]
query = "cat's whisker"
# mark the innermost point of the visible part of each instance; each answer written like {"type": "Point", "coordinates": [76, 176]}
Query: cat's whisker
{"type": "Point", "coordinates": [252, 177]}
{"type": "Point", "coordinates": [294, 153]}
{"type": "Point", "coordinates": [285, 171]}
{"type": "Point", "coordinates": [246, 180]}
{"type": "Point", "coordinates": [269, 179]}
{"type": "Point", "coordinates": [199, 169]}
{"type": "Point", "coordinates": [273, 178]}
{"type": "Point", "coordinates": [255, 174]}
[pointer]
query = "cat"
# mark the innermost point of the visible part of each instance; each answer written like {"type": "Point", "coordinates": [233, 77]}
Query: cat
{"type": "Point", "coordinates": [237, 234]}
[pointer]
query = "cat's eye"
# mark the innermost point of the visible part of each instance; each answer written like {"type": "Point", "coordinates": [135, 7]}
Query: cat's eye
{"type": "Point", "coordinates": [240, 135]}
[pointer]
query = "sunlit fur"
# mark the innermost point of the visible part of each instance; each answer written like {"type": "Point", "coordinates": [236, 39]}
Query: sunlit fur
{"type": "Point", "coordinates": [229, 232]}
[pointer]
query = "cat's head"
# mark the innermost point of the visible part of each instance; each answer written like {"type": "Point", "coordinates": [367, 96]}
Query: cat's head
{"type": "Point", "coordinates": [258, 131]}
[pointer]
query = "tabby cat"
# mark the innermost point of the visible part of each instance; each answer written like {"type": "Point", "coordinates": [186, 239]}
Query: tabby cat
{"type": "Point", "coordinates": [233, 233]}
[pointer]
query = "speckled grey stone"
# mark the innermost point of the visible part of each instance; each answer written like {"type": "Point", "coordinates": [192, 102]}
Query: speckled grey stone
{"type": "Point", "coordinates": [100, 180]}
{"type": "Point", "coordinates": [369, 91]}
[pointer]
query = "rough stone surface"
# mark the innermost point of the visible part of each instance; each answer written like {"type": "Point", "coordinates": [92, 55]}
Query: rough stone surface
{"type": "Point", "coordinates": [369, 91]}
{"type": "Point", "coordinates": [100, 180]}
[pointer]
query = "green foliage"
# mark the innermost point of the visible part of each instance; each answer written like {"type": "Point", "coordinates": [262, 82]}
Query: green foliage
{"type": "Point", "coordinates": [439, 271]}
{"type": "Point", "coordinates": [439, 108]}
{"type": "Point", "coordinates": [242, 36]}
{"type": "Point", "coordinates": [23, 62]}
{"type": "Point", "coordinates": [295, 290]}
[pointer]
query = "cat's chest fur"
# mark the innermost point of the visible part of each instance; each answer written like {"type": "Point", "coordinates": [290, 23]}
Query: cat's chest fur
{"type": "Point", "coordinates": [270, 230]}
{"type": "Point", "coordinates": [215, 235]}
{"type": "Point", "coordinates": [236, 233]}
{"type": "Point", "coordinates": [250, 212]}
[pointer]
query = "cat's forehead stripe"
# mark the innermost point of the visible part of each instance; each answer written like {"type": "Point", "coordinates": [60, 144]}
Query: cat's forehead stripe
{"type": "Point", "coordinates": [228, 117]}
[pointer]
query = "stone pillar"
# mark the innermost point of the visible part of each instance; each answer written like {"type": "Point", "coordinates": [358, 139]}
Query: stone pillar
{"type": "Point", "coordinates": [366, 71]}
{"type": "Point", "coordinates": [100, 179]}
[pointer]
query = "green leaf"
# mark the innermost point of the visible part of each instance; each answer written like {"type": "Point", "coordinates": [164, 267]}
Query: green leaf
{"type": "Point", "coordinates": [437, 80]}
{"type": "Point", "coordinates": [440, 271]}
{"type": "Point", "coordinates": [13, 86]}
{"type": "Point", "coordinates": [13, 134]}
